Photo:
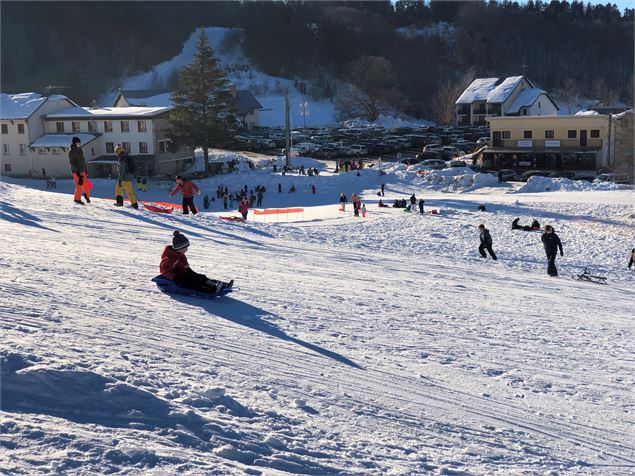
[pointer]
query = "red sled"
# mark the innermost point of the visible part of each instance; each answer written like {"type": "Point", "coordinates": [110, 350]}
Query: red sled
{"type": "Point", "coordinates": [157, 208]}
{"type": "Point", "coordinates": [238, 219]}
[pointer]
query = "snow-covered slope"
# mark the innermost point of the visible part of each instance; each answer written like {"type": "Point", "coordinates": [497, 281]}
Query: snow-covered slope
{"type": "Point", "coordinates": [382, 345]}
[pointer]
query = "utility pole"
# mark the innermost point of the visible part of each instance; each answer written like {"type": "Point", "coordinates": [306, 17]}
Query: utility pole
{"type": "Point", "coordinates": [287, 131]}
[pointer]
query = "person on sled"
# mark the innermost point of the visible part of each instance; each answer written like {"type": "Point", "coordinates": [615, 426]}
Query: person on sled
{"type": "Point", "coordinates": [174, 266]}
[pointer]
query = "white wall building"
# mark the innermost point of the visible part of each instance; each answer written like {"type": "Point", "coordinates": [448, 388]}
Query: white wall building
{"type": "Point", "coordinates": [21, 121]}
{"type": "Point", "coordinates": [492, 97]}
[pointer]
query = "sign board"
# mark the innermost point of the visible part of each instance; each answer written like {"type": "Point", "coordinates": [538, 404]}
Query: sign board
{"type": "Point", "coordinates": [524, 164]}
{"type": "Point", "coordinates": [552, 143]}
{"type": "Point", "coordinates": [525, 143]}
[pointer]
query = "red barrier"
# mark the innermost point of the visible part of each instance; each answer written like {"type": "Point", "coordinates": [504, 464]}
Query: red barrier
{"type": "Point", "coordinates": [277, 211]}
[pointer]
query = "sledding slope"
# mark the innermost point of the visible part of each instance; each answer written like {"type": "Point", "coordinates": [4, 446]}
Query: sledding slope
{"type": "Point", "coordinates": [332, 358]}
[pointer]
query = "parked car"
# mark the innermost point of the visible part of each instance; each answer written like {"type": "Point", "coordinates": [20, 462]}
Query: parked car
{"type": "Point", "coordinates": [563, 174]}
{"type": "Point", "coordinates": [358, 149]}
{"type": "Point", "coordinates": [530, 173]}
{"type": "Point", "coordinates": [612, 177]}
{"type": "Point", "coordinates": [482, 141]}
{"type": "Point", "coordinates": [430, 147]}
{"type": "Point", "coordinates": [432, 154]}
{"type": "Point", "coordinates": [457, 163]}
{"type": "Point", "coordinates": [434, 164]}
{"type": "Point", "coordinates": [585, 176]}
{"type": "Point", "coordinates": [508, 174]}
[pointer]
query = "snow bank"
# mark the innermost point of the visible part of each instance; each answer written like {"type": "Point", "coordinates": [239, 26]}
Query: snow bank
{"type": "Point", "coordinates": [546, 184]}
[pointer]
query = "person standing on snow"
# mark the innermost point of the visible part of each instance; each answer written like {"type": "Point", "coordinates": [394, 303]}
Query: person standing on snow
{"type": "Point", "coordinates": [243, 208]}
{"type": "Point", "coordinates": [363, 210]}
{"type": "Point", "coordinates": [78, 168]}
{"type": "Point", "coordinates": [413, 202]}
{"type": "Point", "coordinates": [552, 243]}
{"type": "Point", "coordinates": [188, 189]}
{"type": "Point", "coordinates": [124, 178]}
{"type": "Point", "coordinates": [486, 242]}
{"type": "Point", "coordinates": [343, 202]}
{"type": "Point", "coordinates": [356, 202]}
{"type": "Point", "coordinates": [632, 260]}
{"type": "Point", "coordinates": [421, 202]}
{"type": "Point", "coordinates": [174, 266]}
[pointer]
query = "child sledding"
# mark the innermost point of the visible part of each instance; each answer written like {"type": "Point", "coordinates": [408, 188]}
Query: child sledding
{"type": "Point", "coordinates": [177, 277]}
{"type": "Point", "coordinates": [535, 226]}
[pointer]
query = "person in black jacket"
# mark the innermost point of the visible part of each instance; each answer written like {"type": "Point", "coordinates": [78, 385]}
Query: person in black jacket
{"type": "Point", "coordinates": [632, 260]}
{"type": "Point", "coordinates": [486, 242]}
{"type": "Point", "coordinates": [552, 243]}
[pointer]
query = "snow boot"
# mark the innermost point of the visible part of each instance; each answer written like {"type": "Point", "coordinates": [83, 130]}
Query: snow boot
{"type": "Point", "coordinates": [87, 199]}
{"type": "Point", "coordinates": [119, 202]}
{"type": "Point", "coordinates": [135, 205]}
{"type": "Point", "coordinates": [79, 202]}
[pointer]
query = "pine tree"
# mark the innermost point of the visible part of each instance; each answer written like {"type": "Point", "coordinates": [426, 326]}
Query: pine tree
{"type": "Point", "coordinates": [203, 105]}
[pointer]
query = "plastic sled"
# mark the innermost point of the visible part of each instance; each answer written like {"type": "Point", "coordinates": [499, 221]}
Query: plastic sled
{"type": "Point", "coordinates": [157, 208]}
{"type": "Point", "coordinates": [238, 219]}
{"type": "Point", "coordinates": [170, 287]}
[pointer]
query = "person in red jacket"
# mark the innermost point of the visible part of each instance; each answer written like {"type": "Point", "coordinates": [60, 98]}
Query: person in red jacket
{"type": "Point", "coordinates": [174, 266]}
{"type": "Point", "coordinates": [243, 208]}
{"type": "Point", "coordinates": [188, 189]}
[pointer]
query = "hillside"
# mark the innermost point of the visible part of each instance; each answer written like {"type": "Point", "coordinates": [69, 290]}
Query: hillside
{"type": "Point", "coordinates": [382, 345]}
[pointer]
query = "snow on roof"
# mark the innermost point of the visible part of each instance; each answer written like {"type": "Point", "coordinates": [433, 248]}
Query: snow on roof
{"type": "Point", "coordinates": [501, 92]}
{"type": "Point", "coordinates": [587, 113]}
{"type": "Point", "coordinates": [106, 112]}
{"type": "Point", "coordinates": [525, 99]}
{"type": "Point", "coordinates": [19, 106]}
{"type": "Point", "coordinates": [158, 100]}
{"type": "Point", "coordinates": [477, 90]}
{"type": "Point", "coordinates": [61, 140]}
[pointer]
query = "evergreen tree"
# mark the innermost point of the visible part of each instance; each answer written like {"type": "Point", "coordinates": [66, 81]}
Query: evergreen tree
{"type": "Point", "coordinates": [203, 105]}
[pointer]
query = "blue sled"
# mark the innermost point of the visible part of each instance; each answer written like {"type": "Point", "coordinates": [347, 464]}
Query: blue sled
{"type": "Point", "coordinates": [168, 286]}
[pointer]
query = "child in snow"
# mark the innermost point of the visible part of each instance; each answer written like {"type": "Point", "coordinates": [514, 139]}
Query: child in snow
{"type": "Point", "coordinates": [188, 189]}
{"type": "Point", "coordinates": [243, 208]}
{"type": "Point", "coordinates": [363, 210]}
{"type": "Point", "coordinates": [486, 242]}
{"type": "Point", "coordinates": [174, 266]}
{"type": "Point", "coordinates": [343, 202]}
{"type": "Point", "coordinates": [535, 225]}
{"type": "Point", "coordinates": [552, 243]}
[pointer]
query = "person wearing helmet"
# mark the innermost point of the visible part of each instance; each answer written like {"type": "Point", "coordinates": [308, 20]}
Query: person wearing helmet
{"type": "Point", "coordinates": [124, 179]}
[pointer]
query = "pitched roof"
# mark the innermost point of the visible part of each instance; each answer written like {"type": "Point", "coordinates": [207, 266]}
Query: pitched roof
{"type": "Point", "coordinates": [491, 90]}
{"type": "Point", "coordinates": [23, 105]}
{"type": "Point", "coordinates": [526, 98]}
{"type": "Point", "coordinates": [108, 112]}
{"type": "Point", "coordinates": [245, 101]}
{"type": "Point", "coordinates": [61, 140]}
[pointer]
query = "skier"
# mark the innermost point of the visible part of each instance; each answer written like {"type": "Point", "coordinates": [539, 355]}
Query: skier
{"type": "Point", "coordinates": [174, 266]}
{"type": "Point", "coordinates": [124, 179]}
{"type": "Point", "coordinates": [486, 242]}
{"type": "Point", "coordinates": [552, 243]}
{"type": "Point", "coordinates": [632, 260]}
{"type": "Point", "coordinates": [243, 208]}
{"type": "Point", "coordinates": [78, 168]}
{"type": "Point", "coordinates": [421, 202]}
{"type": "Point", "coordinates": [188, 189]}
{"type": "Point", "coordinates": [343, 202]}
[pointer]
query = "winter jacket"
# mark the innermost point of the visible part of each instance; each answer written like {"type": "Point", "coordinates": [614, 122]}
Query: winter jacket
{"type": "Point", "coordinates": [485, 237]}
{"type": "Point", "coordinates": [243, 207]}
{"type": "Point", "coordinates": [187, 188]}
{"type": "Point", "coordinates": [76, 157]}
{"type": "Point", "coordinates": [173, 263]}
{"type": "Point", "coordinates": [124, 174]}
{"type": "Point", "coordinates": [343, 198]}
{"type": "Point", "coordinates": [551, 242]}
{"type": "Point", "coordinates": [632, 260]}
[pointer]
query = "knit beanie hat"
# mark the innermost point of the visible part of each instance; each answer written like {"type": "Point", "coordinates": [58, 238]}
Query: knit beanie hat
{"type": "Point", "coordinates": [179, 241]}
{"type": "Point", "coordinates": [75, 140]}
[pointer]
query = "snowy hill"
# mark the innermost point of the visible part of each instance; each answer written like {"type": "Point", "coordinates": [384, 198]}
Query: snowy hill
{"type": "Point", "coordinates": [268, 89]}
{"type": "Point", "coordinates": [382, 345]}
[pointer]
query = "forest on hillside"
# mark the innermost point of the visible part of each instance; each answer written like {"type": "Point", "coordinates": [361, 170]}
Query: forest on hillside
{"type": "Point", "coordinates": [573, 48]}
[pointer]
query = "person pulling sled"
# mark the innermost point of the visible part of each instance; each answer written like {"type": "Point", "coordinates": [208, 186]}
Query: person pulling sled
{"type": "Point", "coordinates": [174, 266]}
{"type": "Point", "coordinates": [127, 169]}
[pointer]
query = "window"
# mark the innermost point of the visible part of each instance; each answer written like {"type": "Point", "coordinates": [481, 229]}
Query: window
{"type": "Point", "coordinates": [163, 146]}
{"type": "Point", "coordinates": [524, 112]}
{"type": "Point", "coordinates": [143, 147]}
{"type": "Point", "coordinates": [56, 151]}
{"type": "Point", "coordinates": [20, 128]}
{"type": "Point", "coordinates": [527, 134]}
{"type": "Point", "coordinates": [572, 134]}
{"type": "Point", "coordinates": [127, 146]}
{"type": "Point", "coordinates": [549, 135]}
{"type": "Point", "coordinates": [92, 126]}
{"type": "Point", "coordinates": [507, 135]}
{"type": "Point", "coordinates": [5, 149]}
{"type": "Point", "coordinates": [41, 151]}
{"type": "Point", "coordinates": [59, 126]}
{"type": "Point", "coordinates": [7, 167]}
{"type": "Point", "coordinates": [5, 128]}
{"type": "Point", "coordinates": [92, 151]}
{"type": "Point", "coordinates": [75, 126]}
{"type": "Point", "coordinates": [141, 126]}
{"type": "Point", "coordinates": [22, 149]}
{"type": "Point", "coordinates": [538, 104]}
{"type": "Point", "coordinates": [110, 148]}
{"type": "Point", "coordinates": [595, 133]}
{"type": "Point", "coordinates": [107, 126]}
{"type": "Point", "coordinates": [125, 127]}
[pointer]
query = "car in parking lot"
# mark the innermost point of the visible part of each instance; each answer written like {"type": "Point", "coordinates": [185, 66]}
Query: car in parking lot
{"type": "Point", "coordinates": [563, 174]}
{"type": "Point", "coordinates": [434, 164]}
{"type": "Point", "coordinates": [457, 163]}
{"type": "Point", "coordinates": [358, 149]}
{"type": "Point", "coordinates": [612, 177]}
{"type": "Point", "coordinates": [507, 174]}
{"type": "Point", "coordinates": [431, 154]}
{"type": "Point", "coordinates": [531, 173]}
{"type": "Point", "coordinates": [589, 177]}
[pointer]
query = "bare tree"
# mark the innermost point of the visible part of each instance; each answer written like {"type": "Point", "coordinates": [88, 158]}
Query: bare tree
{"type": "Point", "coordinates": [568, 94]}
{"type": "Point", "coordinates": [443, 103]}
{"type": "Point", "coordinates": [371, 90]}
{"type": "Point", "coordinates": [604, 94]}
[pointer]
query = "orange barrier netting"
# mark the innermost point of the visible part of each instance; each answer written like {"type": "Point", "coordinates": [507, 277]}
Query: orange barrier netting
{"type": "Point", "coordinates": [276, 211]}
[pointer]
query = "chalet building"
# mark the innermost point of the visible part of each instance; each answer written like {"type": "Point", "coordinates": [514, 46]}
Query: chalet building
{"type": "Point", "coordinates": [493, 97]}
{"type": "Point", "coordinates": [586, 141]}
{"type": "Point", "coordinates": [246, 106]}
{"type": "Point", "coordinates": [22, 124]}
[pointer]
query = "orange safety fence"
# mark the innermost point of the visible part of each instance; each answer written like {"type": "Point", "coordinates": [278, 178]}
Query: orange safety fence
{"type": "Point", "coordinates": [276, 211]}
